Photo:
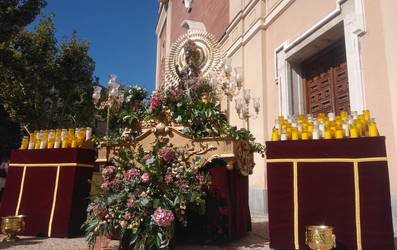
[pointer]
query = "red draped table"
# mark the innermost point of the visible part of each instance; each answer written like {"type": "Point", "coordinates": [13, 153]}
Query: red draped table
{"type": "Point", "coordinates": [51, 187]}
{"type": "Point", "coordinates": [227, 216]}
{"type": "Point", "coordinates": [343, 183]}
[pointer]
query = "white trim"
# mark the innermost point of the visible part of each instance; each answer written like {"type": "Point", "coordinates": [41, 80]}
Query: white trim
{"type": "Point", "coordinates": [281, 69]}
{"type": "Point", "coordinates": [161, 21]}
{"type": "Point", "coordinates": [354, 27]}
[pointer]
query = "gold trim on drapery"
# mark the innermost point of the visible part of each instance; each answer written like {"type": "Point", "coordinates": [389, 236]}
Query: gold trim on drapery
{"type": "Point", "coordinates": [54, 201]}
{"type": "Point", "coordinates": [55, 192]}
{"type": "Point", "coordinates": [20, 191]}
{"type": "Point", "coordinates": [52, 165]}
{"type": "Point", "coordinates": [355, 162]}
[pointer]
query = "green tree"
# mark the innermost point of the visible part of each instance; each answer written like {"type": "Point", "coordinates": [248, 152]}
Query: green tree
{"type": "Point", "coordinates": [16, 14]}
{"type": "Point", "coordinates": [45, 84]}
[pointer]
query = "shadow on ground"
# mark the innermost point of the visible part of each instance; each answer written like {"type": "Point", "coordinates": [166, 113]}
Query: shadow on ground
{"type": "Point", "coordinates": [256, 239]}
{"type": "Point", "coordinates": [28, 242]}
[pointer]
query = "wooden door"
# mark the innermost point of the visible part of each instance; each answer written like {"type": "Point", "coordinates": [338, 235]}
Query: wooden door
{"type": "Point", "coordinates": [326, 81]}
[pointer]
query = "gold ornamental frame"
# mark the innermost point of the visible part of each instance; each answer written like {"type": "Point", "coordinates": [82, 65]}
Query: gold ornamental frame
{"type": "Point", "coordinates": [210, 59]}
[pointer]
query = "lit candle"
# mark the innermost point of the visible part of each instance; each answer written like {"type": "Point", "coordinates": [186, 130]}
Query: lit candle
{"type": "Point", "coordinates": [305, 135]}
{"type": "Point", "coordinates": [366, 115]}
{"type": "Point", "coordinates": [294, 134]}
{"type": "Point", "coordinates": [50, 143]}
{"type": "Point", "coordinates": [275, 135]}
{"type": "Point", "coordinates": [327, 134]}
{"type": "Point", "coordinates": [57, 143]}
{"type": "Point", "coordinates": [339, 133]}
{"type": "Point", "coordinates": [315, 134]}
{"type": "Point", "coordinates": [43, 144]}
{"type": "Point", "coordinates": [353, 132]}
{"type": "Point", "coordinates": [65, 143]}
{"type": "Point", "coordinates": [37, 144]}
{"type": "Point", "coordinates": [345, 128]}
{"type": "Point", "coordinates": [372, 130]}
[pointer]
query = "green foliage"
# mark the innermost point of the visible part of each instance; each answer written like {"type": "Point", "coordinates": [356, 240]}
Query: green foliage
{"type": "Point", "coordinates": [132, 111]}
{"type": "Point", "coordinates": [45, 84]}
{"type": "Point", "coordinates": [141, 184]}
{"type": "Point", "coordinates": [16, 14]}
{"type": "Point", "coordinates": [9, 132]}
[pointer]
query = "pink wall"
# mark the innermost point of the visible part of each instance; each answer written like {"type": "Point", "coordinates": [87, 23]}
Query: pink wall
{"type": "Point", "coordinates": [213, 13]}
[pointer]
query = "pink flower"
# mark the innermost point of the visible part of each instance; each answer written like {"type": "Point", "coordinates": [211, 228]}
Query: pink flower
{"type": "Point", "coordinates": [99, 211]}
{"type": "Point", "coordinates": [105, 186]}
{"type": "Point", "coordinates": [131, 174]}
{"type": "Point", "coordinates": [130, 201]}
{"type": "Point", "coordinates": [163, 217]}
{"type": "Point", "coordinates": [145, 178]}
{"type": "Point", "coordinates": [107, 172]}
{"type": "Point", "coordinates": [127, 216]}
{"type": "Point", "coordinates": [168, 179]}
{"type": "Point", "coordinates": [154, 103]}
{"type": "Point", "coordinates": [116, 184]}
{"type": "Point", "coordinates": [172, 95]}
{"type": "Point", "coordinates": [166, 154]}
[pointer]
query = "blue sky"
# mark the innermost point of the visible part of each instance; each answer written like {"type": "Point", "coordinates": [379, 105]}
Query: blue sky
{"type": "Point", "coordinates": [121, 33]}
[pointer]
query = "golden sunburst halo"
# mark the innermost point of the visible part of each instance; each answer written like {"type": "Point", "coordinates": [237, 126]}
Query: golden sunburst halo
{"type": "Point", "coordinates": [210, 59]}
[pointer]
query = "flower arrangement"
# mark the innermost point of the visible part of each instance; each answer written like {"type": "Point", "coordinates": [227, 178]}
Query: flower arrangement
{"type": "Point", "coordinates": [144, 194]}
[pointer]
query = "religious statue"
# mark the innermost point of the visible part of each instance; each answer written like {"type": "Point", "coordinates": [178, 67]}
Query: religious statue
{"type": "Point", "coordinates": [192, 58]}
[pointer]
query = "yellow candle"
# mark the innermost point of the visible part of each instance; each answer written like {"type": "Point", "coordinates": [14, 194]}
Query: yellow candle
{"type": "Point", "coordinates": [339, 133]}
{"type": "Point", "coordinates": [327, 134]}
{"type": "Point", "coordinates": [275, 135]}
{"type": "Point", "coordinates": [366, 115]}
{"type": "Point", "coordinates": [359, 127]}
{"type": "Point", "coordinates": [294, 134]}
{"type": "Point", "coordinates": [353, 132]}
{"type": "Point", "coordinates": [24, 143]}
{"type": "Point", "coordinates": [50, 143]}
{"type": "Point", "coordinates": [74, 144]}
{"type": "Point", "coordinates": [305, 135]}
{"type": "Point", "coordinates": [65, 143]}
{"type": "Point", "coordinates": [372, 130]}
{"type": "Point", "coordinates": [37, 144]}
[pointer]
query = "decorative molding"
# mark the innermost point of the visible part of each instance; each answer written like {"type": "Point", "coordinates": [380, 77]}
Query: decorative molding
{"type": "Point", "coordinates": [354, 27]}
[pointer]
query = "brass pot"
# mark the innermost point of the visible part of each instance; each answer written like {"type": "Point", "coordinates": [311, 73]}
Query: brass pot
{"type": "Point", "coordinates": [11, 226]}
{"type": "Point", "coordinates": [320, 237]}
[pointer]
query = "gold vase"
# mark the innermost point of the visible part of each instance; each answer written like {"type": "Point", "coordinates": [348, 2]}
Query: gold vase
{"type": "Point", "coordinates": [12, 226]}
{"type": "Point", "coordinates": [320, 237]}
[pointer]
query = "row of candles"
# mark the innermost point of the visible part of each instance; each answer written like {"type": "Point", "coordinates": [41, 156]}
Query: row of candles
{"type": "Point", "coordinates": [57, 138]}
{"type": "Point", "coordinates": [330, 126]}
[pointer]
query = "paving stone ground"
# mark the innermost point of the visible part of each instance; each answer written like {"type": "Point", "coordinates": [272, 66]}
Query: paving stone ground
{"type": "Point", "coordinates": [257, 239]}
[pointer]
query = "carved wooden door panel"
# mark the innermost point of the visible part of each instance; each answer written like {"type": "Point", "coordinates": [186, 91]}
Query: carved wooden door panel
{"type": "Point", "coordinates": [328, 92]}
{"type": "Point", "coordinates": [342, 100]}
{"type": "Point", "coordinates": [319, 93]}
